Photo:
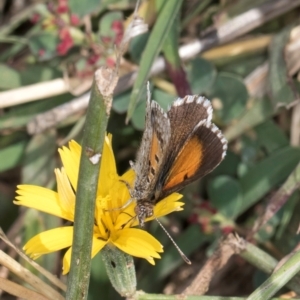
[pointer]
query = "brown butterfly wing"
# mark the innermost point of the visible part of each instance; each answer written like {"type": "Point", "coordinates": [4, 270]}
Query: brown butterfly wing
{"type": "Point", "coordinates": [197, 146]}
{"type": "Point", "coordinates": [202, 151]}
{"type": "Point", "coordinates": [185, 114]}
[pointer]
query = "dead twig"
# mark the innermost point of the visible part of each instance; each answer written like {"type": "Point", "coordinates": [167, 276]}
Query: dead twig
{"type": "Point", "coordinates": [229, 246]}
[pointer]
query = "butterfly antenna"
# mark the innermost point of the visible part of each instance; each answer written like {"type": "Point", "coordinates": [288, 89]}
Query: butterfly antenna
{"type": "Point", "coordinates": [176, 246]}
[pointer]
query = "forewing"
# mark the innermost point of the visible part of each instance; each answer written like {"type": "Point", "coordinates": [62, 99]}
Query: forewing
{"type": "Point", "coordinates": [152, 152]}
{"type": "Point", "coordinates": [185, 114]}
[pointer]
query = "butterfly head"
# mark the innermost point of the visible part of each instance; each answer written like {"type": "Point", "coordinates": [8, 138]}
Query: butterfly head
{"type": "Point", "coordinates": [143, 210]}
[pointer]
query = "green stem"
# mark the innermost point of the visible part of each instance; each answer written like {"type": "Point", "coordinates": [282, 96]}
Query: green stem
{"type": "Point", "coordinates": [284, 274]}
{"type": "Point", "coordinates": [90, 162]}
{"type": "Point", "coordinates": [266, 263]}
{"type": "Point", "coordinates": [176, 297]}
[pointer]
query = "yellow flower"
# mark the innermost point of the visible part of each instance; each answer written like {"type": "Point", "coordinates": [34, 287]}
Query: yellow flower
{"type": "Point", "coordinates": [112, 225]}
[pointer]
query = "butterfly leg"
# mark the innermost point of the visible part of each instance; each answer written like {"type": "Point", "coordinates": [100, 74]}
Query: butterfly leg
{"type": "Point", "coordinates": [130, 221]}
{"type": "Point", "coordinates": [128, 202]}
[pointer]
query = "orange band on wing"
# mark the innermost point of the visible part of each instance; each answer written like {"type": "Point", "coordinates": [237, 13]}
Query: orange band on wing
{"type": "Point", "coordinates": [186, 164]}
{"type": "Point", "coordinates": [154, 155]}
{"type": "Point", "coordinates": [154, 149]}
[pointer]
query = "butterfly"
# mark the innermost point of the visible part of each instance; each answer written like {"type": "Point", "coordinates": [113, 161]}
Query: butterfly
{"type": "Point", "coordinates": [178, 147]}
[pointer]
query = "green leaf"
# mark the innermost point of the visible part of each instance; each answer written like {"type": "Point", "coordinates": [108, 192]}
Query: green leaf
{"type": "Point", "coordinates": [250, 150]}
{"type": "Point", "coordinates": [43, 45]}
{"type": "Point", "coordinates": [137, 46]}
{"type": "Point", "coordinates": [10, 78]}
{"type": "Point", "coordinates": [38, 73]}
{"type": "Point", "coordinates": [158, 35]}
{"type": "Point", "coordinates": [82, 8]}
{"type": "Point", "coordinates": [174, 69]}
{"type": "Point", "coordinates": [11, 155]}
{"type": "Point", "coordinates": [105, 24]}
{"type": "Point", "coordinates": [241, 66]}
{"type": "Point", "coordinates": [259, 111]}
{"type": "Point", "coordinates": [232, 93]}
{"type": "Point", "coordinates": [170, 46]}
{"type": "Point", "coordinates": [32, 74]}
{"type": "Point", "coordinates": [260, 179]}
{"type": "Point", "coordinates": [228, 166]}
{"type": "Point", "coordinates": [225, 194]}
{"type": "Point", "coordinates": [120, 102]}
{"type": "Point", "coordinates": [39, 160]}
{"type": "Point", "coordinates": [201, 74]}
{"type": "Point", "coordinates": [163, 99]}
{"type": "Point", "coordinates": [271, 137]}
{"type": "Point", "coordinates": [138, 118]}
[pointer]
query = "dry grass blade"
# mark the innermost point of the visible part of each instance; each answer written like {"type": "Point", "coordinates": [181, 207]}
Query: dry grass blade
{"type": "Point", "coordinates": [33, 92]}
{"type": "Point", "coordinates": [47, 274]}
{"type": "Point", "coordinates": [28, 277]}
{"type": "Point", "coordinates": [19, 291]}
{"type": "Point", "coordinates": [229, 246]}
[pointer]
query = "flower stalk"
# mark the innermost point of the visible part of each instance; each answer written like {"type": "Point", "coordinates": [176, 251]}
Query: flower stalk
{"type": "Point", "coordinates": [90, 162]}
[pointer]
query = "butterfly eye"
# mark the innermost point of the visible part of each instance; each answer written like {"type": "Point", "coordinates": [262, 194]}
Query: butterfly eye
{"type": "Point", "coordinates": [149, 214]}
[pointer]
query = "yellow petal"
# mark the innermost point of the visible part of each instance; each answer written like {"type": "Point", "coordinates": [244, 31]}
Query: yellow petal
{"type": "Point", "coordinates": [41, 199]}
{"type": "Point", "coordinates": [65, 192]}
{"type": "Point", "coordinates": [168, 205]}
{"type": "Point", "coordinates": [139, 243]}
{"type": "Point", "coordinates": [164, 207]}
{"type": "Point", "coordinates": [108, 171]}
{"type": "Point", "coordinates": [123, 191]}
{"type": "Point", "coordinates": [70, 158]}
{"type": "Point", "coordinates": [129, 176]}
{"type": "Point", "coordinates": [49, 241]}
{"type": "Point", "coordinates": [97, 245]}
{"type": "Point", "coordinates": [127, 217]}
{"type": "Point", "coordinates": [150, 260]}
{"type": "Point", "coordinates": [67, 261]}
{"type": "Point", "coordinates": [118, 196]}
